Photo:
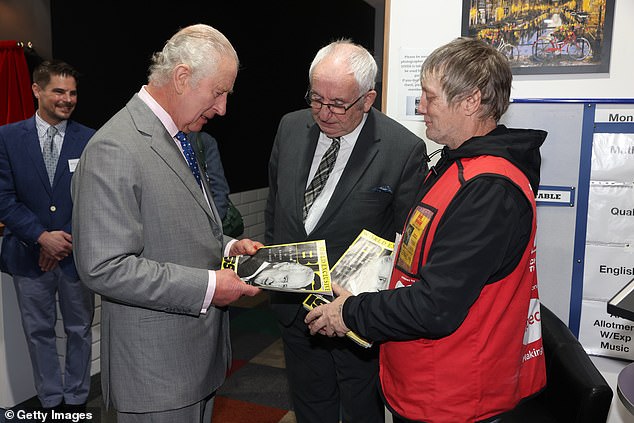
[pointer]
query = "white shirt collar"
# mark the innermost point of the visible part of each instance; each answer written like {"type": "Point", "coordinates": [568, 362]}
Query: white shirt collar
{"type": "Point", "coordinates": [42, 126]}
{"type": "Point", "coordinates": [159, 111]}
{"type": "Point", "coordinates": [350, 138]}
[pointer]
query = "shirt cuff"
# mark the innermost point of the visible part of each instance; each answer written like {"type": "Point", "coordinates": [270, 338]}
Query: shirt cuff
{"type": "Point", "coordinates": [209, 294]}
{"type": "Point", "coordinates": [211, 284]}
{"type": "Point", "coordinates": [228, 247]}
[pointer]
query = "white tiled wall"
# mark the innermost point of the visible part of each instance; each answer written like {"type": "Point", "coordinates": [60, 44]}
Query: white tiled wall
{"type": "Point", "coordinates": [251, 205]}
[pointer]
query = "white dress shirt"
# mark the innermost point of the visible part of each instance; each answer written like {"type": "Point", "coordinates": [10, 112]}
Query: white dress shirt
{"type": "Point", "coordinates": [346, 146]}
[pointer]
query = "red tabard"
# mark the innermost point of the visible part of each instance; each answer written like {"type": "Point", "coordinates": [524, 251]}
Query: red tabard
{"type": "Point", "coordinates": [495, 358]}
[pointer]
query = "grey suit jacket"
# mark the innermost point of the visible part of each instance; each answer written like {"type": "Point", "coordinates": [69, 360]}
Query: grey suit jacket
{"type": "Point", "coordinates": [375, 192]}
{"type": "Point", "coordinates": [144, 238]}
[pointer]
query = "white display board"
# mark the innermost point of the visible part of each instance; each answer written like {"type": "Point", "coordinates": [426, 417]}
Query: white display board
{"type": "Point", "coordinates": [585, 246]}
{"type": "Point", "coordinates": [609, 241]}
{"type": "Point", "coordinates": [563, 105]}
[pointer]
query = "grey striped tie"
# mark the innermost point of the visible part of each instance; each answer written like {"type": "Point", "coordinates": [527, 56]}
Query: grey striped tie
{"type": "Point", "coordinates": [50, 153]}
{"type": "Point", "coordinates": [321, 176]}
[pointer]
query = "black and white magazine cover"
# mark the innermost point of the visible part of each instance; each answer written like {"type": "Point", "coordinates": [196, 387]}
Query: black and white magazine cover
{"type": "Point", "coordinates": [296, 267]}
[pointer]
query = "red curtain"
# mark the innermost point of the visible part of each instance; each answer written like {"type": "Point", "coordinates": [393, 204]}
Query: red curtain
{"type": "Point", "coordinates": [16, 97]}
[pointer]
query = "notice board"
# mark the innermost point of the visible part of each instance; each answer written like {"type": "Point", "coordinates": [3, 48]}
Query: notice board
{"type": "Point", "coordinates": [585, 213]}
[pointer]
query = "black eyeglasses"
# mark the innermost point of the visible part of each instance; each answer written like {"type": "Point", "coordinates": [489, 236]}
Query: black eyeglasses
{"type": "Point", "coordinates": [335, 109]}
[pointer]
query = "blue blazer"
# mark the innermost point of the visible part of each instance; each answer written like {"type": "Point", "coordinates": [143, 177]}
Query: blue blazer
{"type": "Point", "coordinates": [28, 203]}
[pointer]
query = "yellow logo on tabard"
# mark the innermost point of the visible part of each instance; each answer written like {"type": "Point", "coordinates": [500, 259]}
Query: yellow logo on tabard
{"type": "Point", "coordinates": [418, 222]}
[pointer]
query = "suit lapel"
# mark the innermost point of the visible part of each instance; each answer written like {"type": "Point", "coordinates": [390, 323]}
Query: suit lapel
{"type": "Point", "coordinates": [165, 147]}
{"type": "Point", "coordinates": [303, 167]}
{"type": "Point", "coordinates": [217, 222]}
{"type": "Point", "coordinates": [34, 151]}
{"type": "Point", "coordinates": [365, 149]}
{"type": "Point", "coordinates": [70, 150]}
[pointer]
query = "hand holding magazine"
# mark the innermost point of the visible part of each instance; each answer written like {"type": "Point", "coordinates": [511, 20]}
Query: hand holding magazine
{"type": "Point", "coordinates": [366, 266]}
{"type": "Point", "coordinates": [298, 267]}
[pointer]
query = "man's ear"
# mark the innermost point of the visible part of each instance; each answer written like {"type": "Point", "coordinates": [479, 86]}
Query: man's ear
{"type": "Point", "coordinates": [181, 77]}
{"type": "Point", "coordinates": [36, 90]}
{"type": "Point", "coordinates": [368, 101]}
{"type": "Point", "coordinates": [471, 104]}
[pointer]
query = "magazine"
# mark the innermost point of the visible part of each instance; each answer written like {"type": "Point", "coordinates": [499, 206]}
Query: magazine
{"type": "Point", "coordinates": [366, 266]}
{"type": "Point", "coordinates": [314, 300]}
{"type": "Point", "coordinates": [298, 267]}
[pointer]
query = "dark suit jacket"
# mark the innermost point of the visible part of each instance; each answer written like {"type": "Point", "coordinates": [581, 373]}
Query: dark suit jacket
{"type": "Point", "coordinates": [375, 192]}
{"type": "Point", "coordinates": [207, 152]}
{"type": "Point", "coordinates": [28, 203]}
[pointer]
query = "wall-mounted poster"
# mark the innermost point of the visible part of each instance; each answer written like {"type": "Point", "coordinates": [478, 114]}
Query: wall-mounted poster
{"type": "Point", "coordinates": [544, 36]}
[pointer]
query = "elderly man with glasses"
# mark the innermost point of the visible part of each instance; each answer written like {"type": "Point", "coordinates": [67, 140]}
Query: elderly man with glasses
{"type": "Point", "coordinates": [337, 168]}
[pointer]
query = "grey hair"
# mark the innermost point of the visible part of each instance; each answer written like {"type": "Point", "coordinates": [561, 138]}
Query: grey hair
{"type": "Point", "coordinates": [362, 64]}
{"type": "Point", "coordinates": [465, 65]}
{"type": "Point", "coordinates": [198, 46]}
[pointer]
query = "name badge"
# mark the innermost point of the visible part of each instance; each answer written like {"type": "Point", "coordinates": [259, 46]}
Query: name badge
{"type": "Point", "coordinates": [72, 164]}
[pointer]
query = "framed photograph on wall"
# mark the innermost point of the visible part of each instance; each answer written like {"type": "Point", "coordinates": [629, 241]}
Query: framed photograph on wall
{"type": "Point", "coordinates": [544, 36]}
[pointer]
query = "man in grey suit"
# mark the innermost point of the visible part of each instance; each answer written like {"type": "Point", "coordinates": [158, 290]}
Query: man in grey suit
{"type": "Point", "coordinates": [149, 240]}
{"type": "Point", "coordinates": [376, 170]}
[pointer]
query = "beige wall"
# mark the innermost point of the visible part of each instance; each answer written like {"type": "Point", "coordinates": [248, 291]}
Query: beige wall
{"type": "Point", "coordinates": [27, 20]}
{"type": "Point", "coordinates": [426, 25]}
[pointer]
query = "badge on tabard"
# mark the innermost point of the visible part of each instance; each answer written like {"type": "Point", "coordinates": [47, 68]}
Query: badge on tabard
{"type": "Point", "coordinates": [417, 225]}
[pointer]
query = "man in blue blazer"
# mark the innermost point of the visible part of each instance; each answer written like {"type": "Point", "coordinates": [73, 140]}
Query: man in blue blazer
{"type": "Point", "coordinates": [37, 160]}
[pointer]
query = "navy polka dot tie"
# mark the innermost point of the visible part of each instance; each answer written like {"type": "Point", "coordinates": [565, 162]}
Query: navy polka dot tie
{"type": "Point", "coordinates": [190, 156]}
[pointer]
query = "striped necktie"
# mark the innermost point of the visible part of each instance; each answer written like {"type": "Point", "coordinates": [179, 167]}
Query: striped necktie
{"type": "Point", "coordinates": [326, 165]}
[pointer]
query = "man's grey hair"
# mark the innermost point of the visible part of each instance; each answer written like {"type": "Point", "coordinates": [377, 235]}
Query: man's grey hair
{"type": "Point", "coordinates": [465, 65]}
{"type": "Point", "coordinates": [198, 46]}
{"type": "Point", "coordinates": [362, 64]}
